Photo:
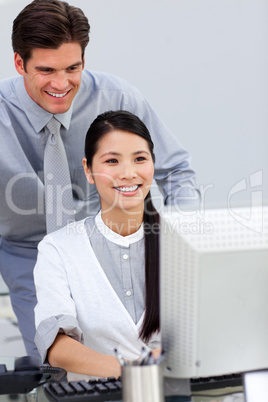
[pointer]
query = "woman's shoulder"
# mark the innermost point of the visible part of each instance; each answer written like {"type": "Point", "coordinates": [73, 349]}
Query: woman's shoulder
{"type": "Point", "coordinates": [74, 231]}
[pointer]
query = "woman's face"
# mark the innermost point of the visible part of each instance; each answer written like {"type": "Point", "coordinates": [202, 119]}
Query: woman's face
{"type": "Point", "coordinates": [122, 170]}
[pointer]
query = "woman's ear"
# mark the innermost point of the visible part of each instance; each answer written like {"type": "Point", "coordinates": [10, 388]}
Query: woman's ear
{"type": "Point", "coordinates": [88, 172]}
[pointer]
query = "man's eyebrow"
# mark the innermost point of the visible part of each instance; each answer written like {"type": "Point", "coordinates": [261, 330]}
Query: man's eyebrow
{"type": "Point", "coordinates": [79, 63]}
{"type": "Point", "coordinates": [43, 68]}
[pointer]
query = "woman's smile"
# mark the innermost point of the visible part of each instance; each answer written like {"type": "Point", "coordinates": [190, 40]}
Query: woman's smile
{"type": "Point", "coordinates": [128, 190]}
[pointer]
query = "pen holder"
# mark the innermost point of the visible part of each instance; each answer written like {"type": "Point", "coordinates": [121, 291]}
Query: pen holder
{"type": "Point", "coordinates": [142, 383]}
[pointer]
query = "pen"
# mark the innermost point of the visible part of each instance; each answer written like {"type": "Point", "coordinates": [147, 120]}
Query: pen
{"type": "Point", "coordinates": [119, 357]}
{"type": "Point", "coordinates": [160, 358]}
{"type": "Point", "coordinates": [146, 359]}
{"type": "Point", "coordinates": [144, 353]}
{"type": "Point", "coordinates": [151, 359]}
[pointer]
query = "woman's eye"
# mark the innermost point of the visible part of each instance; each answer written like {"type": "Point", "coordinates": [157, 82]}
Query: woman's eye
{"type": "Point", "coordinates": [140, 159]}
{"type": "Point", "coordinates": [111, 161]}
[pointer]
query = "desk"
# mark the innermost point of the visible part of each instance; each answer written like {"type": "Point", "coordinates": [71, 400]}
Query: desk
{"type": "Point", "coordinates": [40, 397]}
{"type": "Point", "coordinates": [38, 393]}
{"type": "Point", "coordinates": [235, 395]}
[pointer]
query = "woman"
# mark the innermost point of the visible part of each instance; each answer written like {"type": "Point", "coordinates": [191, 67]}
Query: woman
{"type": "Point", "coordinates": [97, 280]}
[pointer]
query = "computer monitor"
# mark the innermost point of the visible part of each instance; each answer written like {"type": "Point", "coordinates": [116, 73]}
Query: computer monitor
{"type": "Point", "coordinates": [214, 291]}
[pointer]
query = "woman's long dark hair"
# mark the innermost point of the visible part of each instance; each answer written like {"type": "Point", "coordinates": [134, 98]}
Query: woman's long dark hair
{"type": "Point", "coordinates": [125, 121]}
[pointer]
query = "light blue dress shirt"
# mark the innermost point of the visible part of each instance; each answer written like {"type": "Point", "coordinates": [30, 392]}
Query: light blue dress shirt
{"type": "Point", "coordinates": [23, 139]}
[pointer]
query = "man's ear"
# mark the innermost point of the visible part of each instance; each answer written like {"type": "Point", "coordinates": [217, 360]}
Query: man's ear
{"type": "Point", "coordinates": [19, 65]}
{"type": "Point", "coordinates": [88, 172]}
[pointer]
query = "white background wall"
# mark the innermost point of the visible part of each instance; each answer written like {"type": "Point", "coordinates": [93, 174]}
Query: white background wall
{"type": "Point", "coordinates": [202, 64]}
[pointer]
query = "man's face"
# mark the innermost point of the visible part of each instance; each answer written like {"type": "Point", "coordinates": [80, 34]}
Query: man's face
{"type": "Point", "coordinates": [52, 77]}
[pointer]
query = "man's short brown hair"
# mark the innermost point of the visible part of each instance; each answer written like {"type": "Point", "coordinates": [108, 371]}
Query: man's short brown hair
{"type": "Point", "coordinates": [47, 24]}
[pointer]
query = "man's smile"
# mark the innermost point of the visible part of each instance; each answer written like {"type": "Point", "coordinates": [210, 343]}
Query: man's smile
{"type": "Point", "coordinates": [57, 95]}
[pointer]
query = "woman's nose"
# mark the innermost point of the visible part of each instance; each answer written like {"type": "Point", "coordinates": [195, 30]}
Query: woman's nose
{"type": "Point", "coordinates": [128, 171]}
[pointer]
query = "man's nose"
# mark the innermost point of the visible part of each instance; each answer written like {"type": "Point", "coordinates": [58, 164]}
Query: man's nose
{"type": "Point", "coordinates": [59, 81]}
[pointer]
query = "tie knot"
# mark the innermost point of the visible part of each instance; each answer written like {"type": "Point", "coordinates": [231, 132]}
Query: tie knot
{"type": "Point", "coordinates": [54, 126]}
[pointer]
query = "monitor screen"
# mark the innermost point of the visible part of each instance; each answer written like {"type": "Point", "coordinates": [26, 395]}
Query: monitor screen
{"type": "Point", "coordinates": [255, 385]}
{"type": "Point", "coordinates": [214, 291]}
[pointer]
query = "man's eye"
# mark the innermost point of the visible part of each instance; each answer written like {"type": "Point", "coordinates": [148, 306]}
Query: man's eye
{"type": "Point", "coordinates": [45, 70]}
{"type": "Point", "coordinates": [73, 68]}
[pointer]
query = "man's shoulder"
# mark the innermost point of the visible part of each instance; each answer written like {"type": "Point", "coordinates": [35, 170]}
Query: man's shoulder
{"type": "Point", "coordinates": [9, 99]}
{"type": "Point", "coordinates": [97, 80]}
{"type": "Point", "coordinates": [8, 87]}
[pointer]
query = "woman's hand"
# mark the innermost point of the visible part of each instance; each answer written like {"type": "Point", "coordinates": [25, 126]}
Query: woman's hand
{"type": "Point", "coordinates": [156, 353]}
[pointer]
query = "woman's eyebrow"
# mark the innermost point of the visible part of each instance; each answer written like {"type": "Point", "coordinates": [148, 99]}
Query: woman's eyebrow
{"type": "Point", "coordinates": [141, 152]}
{"type": "Point", "coordinates": [110, 153]}
{"type": "Point", "coordinates": [118, 153]}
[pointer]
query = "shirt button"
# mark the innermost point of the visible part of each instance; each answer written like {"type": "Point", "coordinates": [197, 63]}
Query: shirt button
{"type": "Point", "coordinates": [125, 256]}
{"type": "Point", "coordinates": [128, 293]}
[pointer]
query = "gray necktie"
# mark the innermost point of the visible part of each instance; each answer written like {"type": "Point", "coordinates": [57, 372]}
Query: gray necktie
{"type": "Point", "coordinates": [58, 188]}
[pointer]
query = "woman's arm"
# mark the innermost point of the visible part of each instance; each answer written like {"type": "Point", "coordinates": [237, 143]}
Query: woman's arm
{"type": "Point", "coordinates": [75, 357]}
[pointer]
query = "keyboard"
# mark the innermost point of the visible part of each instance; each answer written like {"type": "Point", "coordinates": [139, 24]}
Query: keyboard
{"type": "Point", "coordinates": [110, 389]}
{"type": "Point", "coordinates": [203, 384]}
{"type": "Point", "coordinates": [103, 389]}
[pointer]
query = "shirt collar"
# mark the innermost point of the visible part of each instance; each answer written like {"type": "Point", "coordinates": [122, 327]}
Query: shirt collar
{"type": "Point", "coordinates": [38, 116]}
{"type": "Point", "coordinates": [116, 238]}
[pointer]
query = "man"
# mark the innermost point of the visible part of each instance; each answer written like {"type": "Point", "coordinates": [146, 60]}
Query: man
{"type": "Point", "coordinates": [49, 40]}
